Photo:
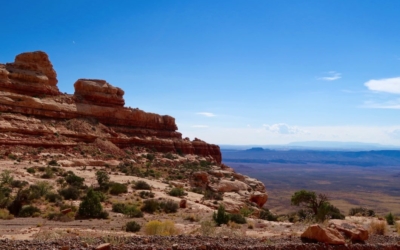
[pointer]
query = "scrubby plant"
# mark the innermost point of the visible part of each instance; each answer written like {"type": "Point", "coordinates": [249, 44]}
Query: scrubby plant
{"type": "Point", "coordinates": [90, 206]}
{"type": "Point", "coordinates": [53, 197]}
{"type": "Point", "coordinates": [28, 211]}
{"type": "Point", "coordinates": [53, 163]}
{"type": "Point", "coordinates": [5, 215]}
{"type": "Point", "coordinates": [390, 219]}
{"type": "Point", "coordinates": [246, 211]}
{"type": "Point", "coordinates": [118, 207]}
{"type": "Point", "coordinates": [132, 226]}
{"type": "Point", "coordinates": [142, 185]}
{"type": "Point", "coordinates": [207, 228]}
{"type": "Point", "coordinates": [177, 192]}
{"type": "Point", "coordinates": [378, 227]}
{"type": "Point", "coordinates": [146, 194]}
{"type": "Point", "coordinates": [74, 180]}
{"type": "Point", "coordinates": [164, 228]}
{"type": "Point", "coordinates": [361, 211]}
{"type": "Point", "coordinates": [48, 173]}
{"type": "Point", "coordinates": [70, 193]}
{"type": "Point", "coordinates": [221, 217]}
{"type": "Point", "coordinates": [18, 184]}
{"type": "Point", "coordinates": [118, 188]}
{"type": "Point", "coordinates": [31, 170]}
{"type": "Point", "coordinates": [103, 179]}
{"type": "Point", "coordinates": [169, 206]}
{"type": "Point", "coordinates": [150, 206]}
{"type": "Point", "coordinates": [62, 217]}
{"type": "Point", "coordinates": [6, 178]}
{"type": "Point", "coordinates": [237, 218]}
{"type": "Point", "coordinates": [132, 211]}
{"type": "Point", "coordinates": [265, 214]}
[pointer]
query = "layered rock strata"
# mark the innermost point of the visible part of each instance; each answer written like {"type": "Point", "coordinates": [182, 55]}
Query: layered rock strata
{"type": "Point", "coordinates": [28, 87]}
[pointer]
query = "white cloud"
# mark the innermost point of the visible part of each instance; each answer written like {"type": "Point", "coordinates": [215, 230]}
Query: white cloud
{"type": "Point", "coordinates": [207, 114]}
{"type": "Point", "coordinates": [393, 104]}
{"type": "Point", "coordinates": [388, 85]}
{"type": "Point", "coordinates": [283, 128]}
{"type": "Point", "coordinates": [395, 133]}
{"type": "Point", "coordinates": [199, 126]}
{"type": "Point", "coordinates": [332, 76]}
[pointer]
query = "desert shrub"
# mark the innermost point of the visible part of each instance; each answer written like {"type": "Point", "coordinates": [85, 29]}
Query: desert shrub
{"type": "Point", "coordinates": [237, 218]}
{"type": "Point", "coordinates": [28, 211]}
{"type": "Point", "coordinates": [42, 187]}
{"type": "Point", "coordinates": [90, 206]}
{"type": "Point", "coordinates": [132, 226]}
{"type": "Point", "coordinates": [74, 180]}
{"type": "Point", "coordinates": [18, 184]}
{"type": "Point", "coordinates": [246, 211]}
{"type": "Point", "coordinates": [118, 188]}
{"type": "Point", "coordinates": [146, 194]}
{"type": "Point", "coordinates": [31, 170]}
{"type": "Point", "coordinates": [142, 185]}
{"type": "Point", "coordinates": [169, 206]}
{"type": "Point", "coordinates": [118, 207]}
{"type": "Point", "coordinates": [102, 196]}
{"type": "Point", "coordinates": [197, 190]}
{"type": "Point", "coordinates": [170, 156]}
{"type": "Point", "coordinates": [177, 192]}
{"type": "Point", "coordinates": [378, 227]}
{"type": "Point", "coordinates": [221, 217]}
{"type": "Point", "coordinates": [53, 163]}
{"type": "Point", "coordinates": [207, 228]}
{"type": "Point", "coordinates": [48, 173]}
{"type": "Point", "coordinates": [327, 211]}
{"type": "Point", "coordinates": [211, 195]}
{"type": "Point", "coordinates": [103, 179]}
{"type": "Point", "coordinates": [390, 219]}
{"type": "Point", "coordinates": [150, 206]}
{"type": "Point", "coordinates": [6, 178]}
{"type": "Point", "coordinates": [5, 215]}
{"type": "Point", "coordinates": [192, 217]}
{"type": "Point", "coordinates": [265, 214]}
{"type": "Point", "coordinates": [62, 217]}
{"type": "Point", "coordinates": [70, 193]}
{"type": "Point", "coordinates": [164, 228]}
{"type": "Point", "coordinates": [53, 197]}
{"type": "Point", "coordinates": [12, 157]}
{"type": "Point", "coordinates": [132, 211]}
{"type": "Point", "coordinates": [361, 211]}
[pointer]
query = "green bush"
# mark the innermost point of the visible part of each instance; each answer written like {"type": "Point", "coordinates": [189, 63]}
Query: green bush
{"type": "Point", "coordinates": [53, 197]}
{"type": "Point", "coordinates": [132, 211]}
{"type": "Point", "coordinates": [103, 179]}
{"type": "Point", "coordinates": [327, 211]}
{"type": "Point", "coordinates": [150, 206]}
{"type": "Point", "coordinates": [361, 211]}
{"type": "Point", "coordinates": [221, 217]}
{"type": "Point", "coordinates": [237, 218]}
{"type": "Point", "coordinates": [53, 163]}
{"type": "Point", "coordinates": [74, 180]}
{"type": "Point", "coordinates": [146, 194]}
{"type": "Point", "coordinates": [118, 207]}
{"type": "Point", "coordinates": [18, 184]}
{"type": "Point", "coordinates": [142, 185]}
{"type": "Point", "coordinates": [118, 188]}
{"type": "Point", "coordinates": [265, 214]}
{"type": "Point", "coordinates": [70, 193]}
{"type": "Point", "coordinates": [48, 173]}
{"type": "Point", "coordinates": [28, 211]}
{"type": "Point", "coordinates": [90, 206]}
{"type": "Point", "coordinates": [177, 192]}
{"type": "Point", "coordinates": [169, 206]}
{"type": "Point", "coordinates": [390, 219]}
{"type": "Point", "coordinates": [31, 170]}
{"type": "Point", "coordinates": [132, 226]}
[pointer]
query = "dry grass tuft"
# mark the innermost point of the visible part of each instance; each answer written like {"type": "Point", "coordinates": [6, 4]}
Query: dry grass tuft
{"type": "Point", "coordinates": [378, 227]}
{"type": "Point", "coordinates": [164, 228]}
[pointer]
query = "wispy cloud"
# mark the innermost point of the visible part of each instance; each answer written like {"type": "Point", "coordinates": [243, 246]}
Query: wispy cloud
{"type": "Point", "coordinates": [387, 85]}
{"type": "Point", "coordinates": [331, 76]}
{"type": "Point", "coordinates": [395, 133]}
{"type": "Point", "coordinates": [199, 126]}
{"type": "Point", "coordinates": [393, 104]}
{"type": "Point", "coordinates": [283, 128]}
{"type": "Point", "coordinates": [207, 114]}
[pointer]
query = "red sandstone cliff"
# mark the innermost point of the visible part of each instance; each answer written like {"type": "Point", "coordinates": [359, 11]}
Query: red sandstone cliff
{"type": "Point", "coordinates": [30, 101]}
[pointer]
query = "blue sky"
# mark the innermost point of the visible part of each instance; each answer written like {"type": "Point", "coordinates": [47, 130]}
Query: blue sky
{"type": "Point", "coordinates": [230, 72]}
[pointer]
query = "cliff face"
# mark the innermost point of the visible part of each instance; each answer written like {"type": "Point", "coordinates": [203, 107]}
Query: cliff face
{"type": "Point", "coordinates": [35, 113]}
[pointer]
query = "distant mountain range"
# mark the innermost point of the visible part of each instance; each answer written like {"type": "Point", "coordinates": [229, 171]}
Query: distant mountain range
{"type": "Point", "coordinates": [318, 145]}
{"type": "Point", "coordinates": [333, 157]}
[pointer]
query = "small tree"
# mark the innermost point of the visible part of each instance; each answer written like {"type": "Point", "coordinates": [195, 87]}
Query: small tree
{"type": "Point", "coordinates": [221, 217]}
{"type": "Point", "coordinates": [103, 179]}
{"type": "Point", "coordinates": [90, 206]}
{"type": "Point", "coordinates": [390, 219]}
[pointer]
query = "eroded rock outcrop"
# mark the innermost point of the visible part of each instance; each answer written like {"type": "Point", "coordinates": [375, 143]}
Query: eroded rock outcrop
{"type": "Point", "coordinates": [31, 74]}
{"type": "Point", "coordinates": [28, 87]}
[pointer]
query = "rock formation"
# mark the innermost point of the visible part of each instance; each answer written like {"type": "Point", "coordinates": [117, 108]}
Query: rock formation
{"type": "Point", "coordinates": [37, 114]}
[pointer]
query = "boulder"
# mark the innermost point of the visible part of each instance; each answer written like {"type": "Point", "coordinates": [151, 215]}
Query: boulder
{"type": "Point", "coordinates": [98, 92]}
{"type": "Point", "coordinates": [259, 198]}
{"type": "Point", "coordinates": [183, 203]}
{"type": "Point", "coordinates": [229, 186]}
{"type": "Point", "coordinates": [350, 230]}
{"type": "Point", "coordinates": [323, 234]}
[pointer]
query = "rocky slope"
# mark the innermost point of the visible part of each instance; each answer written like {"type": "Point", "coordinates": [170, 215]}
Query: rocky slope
{"type": "Point", "coordinates": [28, 89]}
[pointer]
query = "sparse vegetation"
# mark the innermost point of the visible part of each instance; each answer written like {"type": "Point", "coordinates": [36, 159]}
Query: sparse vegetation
{"type": "Point", "coordinates": [221, 217]}
{"type": "Point", "coordinates": [90, 206]}
{"type": "Point", "coordinates": [390, 219]}
{"type": "Point", "coordinates": [164, 228]}
{"type": "Point", "coordinates": [378, 227]}
{"type": "Point", "coordinates": [177, 192]}
{"type": "Point", "coordinates": [361, 211]}
{"type": "Point", "coordinates": [118, 188]}
{"type": "Point", "coordinates": [132, 226]}
{"type": "Point", "coordinates": [265, 214]}
{"type": "Point", "coordinates": [142, 185]}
